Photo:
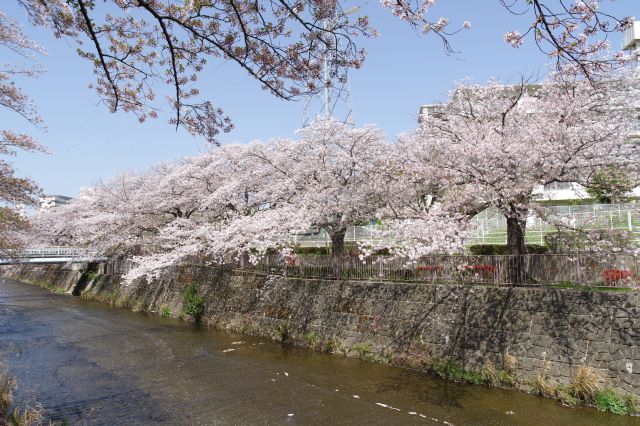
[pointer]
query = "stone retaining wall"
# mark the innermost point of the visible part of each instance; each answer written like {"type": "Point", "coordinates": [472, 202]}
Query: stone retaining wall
{"type": "Point", "coordinates": [401, 323]}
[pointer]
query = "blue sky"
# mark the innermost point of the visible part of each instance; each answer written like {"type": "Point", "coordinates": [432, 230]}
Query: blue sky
{"type": "Point", "coordinates": [403, 71]}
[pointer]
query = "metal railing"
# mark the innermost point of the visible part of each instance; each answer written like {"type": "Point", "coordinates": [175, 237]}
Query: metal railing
{"type": "Point", "coordinates": [55, 252]}
{"type": "Point", "coordinates": [49, 255]}
{"type": "Point", "coordinates": [490, 227]}
{"type": "Point", "coordinates": [535, 270]}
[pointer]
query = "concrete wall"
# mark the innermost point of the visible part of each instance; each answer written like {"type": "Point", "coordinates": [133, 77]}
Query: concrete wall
{"type": "Point", "coordinates": [405, 324]}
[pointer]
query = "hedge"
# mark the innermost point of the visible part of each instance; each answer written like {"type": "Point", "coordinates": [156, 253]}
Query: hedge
{"type": "Point", "coordinates": [501, 249]}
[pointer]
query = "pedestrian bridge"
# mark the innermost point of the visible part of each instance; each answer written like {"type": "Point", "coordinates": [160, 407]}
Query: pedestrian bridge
{"type": "Point", "coordinates": [51, 255]}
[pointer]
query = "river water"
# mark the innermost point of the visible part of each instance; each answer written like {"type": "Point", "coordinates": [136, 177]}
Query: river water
{"type": "Point", "coordinates": [93, 364]}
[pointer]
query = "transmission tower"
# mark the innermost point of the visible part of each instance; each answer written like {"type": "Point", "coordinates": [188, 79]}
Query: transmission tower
{"type": "Point", "coordinates": [335, 98]}
{"type": "Point", "coordinates": [631, 43]}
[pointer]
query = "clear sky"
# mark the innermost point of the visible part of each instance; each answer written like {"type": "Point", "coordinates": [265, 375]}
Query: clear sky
{"type": "Point", "coordinates": [403, 71]}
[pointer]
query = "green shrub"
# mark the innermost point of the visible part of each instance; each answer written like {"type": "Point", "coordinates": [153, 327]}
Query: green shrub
{"type": "Point", "coordinates": [610, 401]}
{"type": "Point", "coordinates": [351, 249]}
{"type": "Point", "coordinates": [329, 345]}
{"type": "Point", "coordinates": [311, 338]}
{"type": "Point", "coordinates": [311, 250]}
{"type": "Point", "coordinates": [450, 370]}
{"type": "Point", "coordinates": [537, 249]}
{"type": "Point", "coordinates": [91, 275]}
{"type": "Point", "coordinates": [501, 249]}
{"type": "Point", "coordinates": [193, 303]}
{"type": "Point", "coordinates": [165, 312]}
{"type": "Point", "coordinates": [364, 351]}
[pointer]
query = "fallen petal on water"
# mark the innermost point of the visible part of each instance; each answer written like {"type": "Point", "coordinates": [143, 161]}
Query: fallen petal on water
{"type": "Point", "coordinates": [228, 350]}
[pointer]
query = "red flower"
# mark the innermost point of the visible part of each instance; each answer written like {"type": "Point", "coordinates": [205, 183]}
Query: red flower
{"type": "Point", "coordinates": [428, 267]}
{"type": "Point", "coordinates": [481, 268]}
{"type": "Point", "coordinates": [613, 276]}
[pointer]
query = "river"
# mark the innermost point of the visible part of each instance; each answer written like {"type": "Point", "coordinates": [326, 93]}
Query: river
{"type": "Point", "coordinates": [93, 364]}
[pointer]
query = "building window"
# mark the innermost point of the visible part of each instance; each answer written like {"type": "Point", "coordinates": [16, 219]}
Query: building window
{"type": "Point", "coordinates": [558, 186]}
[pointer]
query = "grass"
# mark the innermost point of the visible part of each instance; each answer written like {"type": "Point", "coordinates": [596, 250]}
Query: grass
{"type": "Point", "coordinates": [91, 275]}
{"type": "Point", "coordinates": [610, 401]}
{"type": "Point", "coordinates": [450, 370]}
{"type": "Point", "coordinates": [193, 303]}
{"type": "Point", "coordinates": [585, 388]}
{"type": "Point", "coordinates": [585, 384]}
{"type": "Point", "coordinates": [364, 350]}
{"type": "Point", "coordinates": [330, 345]}
{"type": "Point", "coordinates": [25, 414]}
{"type": "Point", "coordinates": [311, 338]}
{"type": "Point", "coordinates": [165, 312]}
{"type": "Point", "coordinates": [7, 387]}
{"type": "Point", "coordinates": [541, 385]}
{"type": "Point", "coordinates": [573, 286]}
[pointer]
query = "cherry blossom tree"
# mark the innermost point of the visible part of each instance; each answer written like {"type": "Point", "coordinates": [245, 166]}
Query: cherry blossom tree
{"type": "Point", "coordinates": [164, 215]}
{"type": "Point", "coordinates": [233, 201]}
{"type": "Point", "coordinates": [125, 214]}
{"type": "Point", "coordinates": [99, 218]}
{"type": "Point", "coordinates": [276, 190]}
{"type": "Point", "coordinates": [330, 174]}
{"type": "Point", "coordinates": [574, 33]}
{"type": "Point", "coordinates": [491, 145]}
{"type": "Point", "coordinates": [134, 44]}
{"type": "Point", "coordinates": [413, 225]}
{"type": "Point", "coordinates": [15, 191]}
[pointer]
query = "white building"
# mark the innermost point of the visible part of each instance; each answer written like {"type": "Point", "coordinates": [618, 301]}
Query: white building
{"type": "Point", "coordinates": [50, 201]}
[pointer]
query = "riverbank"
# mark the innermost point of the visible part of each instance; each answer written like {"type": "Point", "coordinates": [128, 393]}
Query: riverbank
{"type": "Point", "coordinates": [577, 346]}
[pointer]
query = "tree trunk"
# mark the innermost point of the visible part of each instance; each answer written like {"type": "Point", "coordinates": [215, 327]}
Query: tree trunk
{"type": "Point", "coordinates": [337, 250]}
{"type": "Point", "coordinates": [243, 260]}
{"type": "Point", "coordinates": [337, 243]}
{"type": "Point", "coordinates": [515, 236]}
{"type": "Point", "coordinates": [516, 228]}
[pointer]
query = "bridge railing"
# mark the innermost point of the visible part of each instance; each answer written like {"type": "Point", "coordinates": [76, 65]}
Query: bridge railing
{"type": "Point", "coordinates": [55, 252]}
{"type": "Point", "coordinates": [50, 254]}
